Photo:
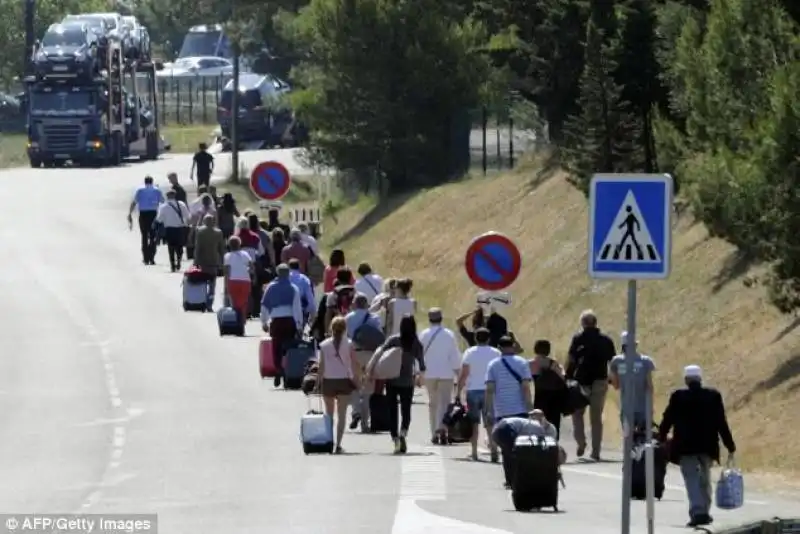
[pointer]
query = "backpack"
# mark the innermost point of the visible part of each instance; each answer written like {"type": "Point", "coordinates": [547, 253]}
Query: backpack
{"type": "Point", "coordinates": [345, 295]}
{"type": "Point", "coordinates": [549, 380]}
{"type": "Point", "coordinates": [368, 336]}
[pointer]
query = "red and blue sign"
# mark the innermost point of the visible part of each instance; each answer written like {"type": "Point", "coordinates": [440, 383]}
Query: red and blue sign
{"type": "Point", "coordinates": [493, 261]}
{"type": "Point", "coordinates": [270, 180]}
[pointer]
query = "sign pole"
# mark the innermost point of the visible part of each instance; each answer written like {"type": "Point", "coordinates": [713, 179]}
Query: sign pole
{"type": "Point", "coordinates": [650, 465]}
{"type": "Point", "coordinates": [627, 410]}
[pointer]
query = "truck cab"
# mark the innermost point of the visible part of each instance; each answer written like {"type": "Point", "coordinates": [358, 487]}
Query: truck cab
{"type": "Point", "coordinates": [66, 51]}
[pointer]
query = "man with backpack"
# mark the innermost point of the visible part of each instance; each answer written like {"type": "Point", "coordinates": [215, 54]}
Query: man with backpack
{"type": "Point", "coordinates": [364, 329]}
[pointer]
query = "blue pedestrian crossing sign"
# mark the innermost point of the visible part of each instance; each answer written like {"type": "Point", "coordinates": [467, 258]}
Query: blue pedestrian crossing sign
{"type": "Point", "coordinates": [630, 226]}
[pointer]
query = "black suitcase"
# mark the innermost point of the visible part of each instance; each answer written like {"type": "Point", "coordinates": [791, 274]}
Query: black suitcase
{"type": "Point", "coordinates": [535, 474]}
{"type": "Point", "coordinates": [639, 472]}
{"type": "Point", "coordinates": [298, 354]}
{"type": "Point", "coordinates": [379, 413]}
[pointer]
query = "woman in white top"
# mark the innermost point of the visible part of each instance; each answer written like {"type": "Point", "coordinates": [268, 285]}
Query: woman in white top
{"type": "Point", "coordinates": [401, 305]}
{"type": "Point", "coordinates": [339, 375]}
{"type": "Point", "coordinates": [381, 301]}
{"type": "Point", "coordinates": [238, 269]}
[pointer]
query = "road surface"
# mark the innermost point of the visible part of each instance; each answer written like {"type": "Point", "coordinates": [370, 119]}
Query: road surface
{"type": "Point", "coordinates": [113, 400]}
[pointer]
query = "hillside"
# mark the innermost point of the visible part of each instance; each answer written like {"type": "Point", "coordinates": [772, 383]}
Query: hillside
{"type": "Point", "coordinates": [704, 314]}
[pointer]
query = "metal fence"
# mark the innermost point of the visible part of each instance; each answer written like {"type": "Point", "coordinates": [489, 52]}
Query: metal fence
{"type": "Point", "coordinates": [189, 100]}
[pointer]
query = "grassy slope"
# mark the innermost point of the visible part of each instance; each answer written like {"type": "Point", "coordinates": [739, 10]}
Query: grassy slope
{"type": "Point", "coordinates": [703, 314]}
{"type": "Point", "coordinates": [182, 139]}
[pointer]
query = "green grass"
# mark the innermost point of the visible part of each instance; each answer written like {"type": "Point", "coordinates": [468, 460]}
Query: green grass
{"type": "Point", "coordinates": [182, 139]}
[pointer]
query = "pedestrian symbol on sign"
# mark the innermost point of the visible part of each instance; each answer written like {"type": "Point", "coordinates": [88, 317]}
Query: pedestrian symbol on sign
{"type": "Point", "coordinates": [628, 239]}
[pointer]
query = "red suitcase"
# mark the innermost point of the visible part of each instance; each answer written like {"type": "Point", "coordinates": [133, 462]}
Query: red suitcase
{"type": "Point", "coordinates": [266, 359]}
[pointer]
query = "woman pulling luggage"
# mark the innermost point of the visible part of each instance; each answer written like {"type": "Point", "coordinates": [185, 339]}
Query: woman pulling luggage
{"type": "Point", "coordinates": [550, 387]}
{"type": "Point", "coordinates": [338, 375]}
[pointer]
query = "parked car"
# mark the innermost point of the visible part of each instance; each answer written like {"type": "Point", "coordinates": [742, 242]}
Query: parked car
{"type": "Point", "coordinates": [263, 115]}
{"type": "Point", "coordinates": [197, 67]}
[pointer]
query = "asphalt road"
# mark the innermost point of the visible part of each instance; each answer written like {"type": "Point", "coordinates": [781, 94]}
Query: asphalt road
{"type": "Point", "coordinates": [113, 400]}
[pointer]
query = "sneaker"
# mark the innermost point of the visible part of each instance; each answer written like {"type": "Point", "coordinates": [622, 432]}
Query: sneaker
{"type": "Point", "coordinates": [354, 421]}
{"type": "Point", "coordinates": [435, 439]}
{"type": "Point", "coordinates": [595, 456]}
{"type": "Point", "coordinates": [277, 382]}
{"type": "Point", "coordinates": [397, 447]}
{"type": "Point", "coordinates": [581, 450]}
{"type": "Point", "coordinates": [494, 457]}
{"type": "Point", "coordinates": [403, 444]}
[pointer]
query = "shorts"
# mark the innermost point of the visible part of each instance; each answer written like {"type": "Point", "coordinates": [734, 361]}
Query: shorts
{"type": "Point", "coordinates": [337, 387]}
{"type": "Point", "coordinates": [476, 406]}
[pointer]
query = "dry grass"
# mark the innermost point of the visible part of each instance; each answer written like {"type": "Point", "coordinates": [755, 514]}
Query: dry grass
{"type": "Point", "coordinates": [301, 190]}
{"type": "Point", "coordinates": [704, 314]}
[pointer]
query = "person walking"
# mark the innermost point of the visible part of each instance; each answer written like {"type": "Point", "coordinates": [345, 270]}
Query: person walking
{"type": "Point", "coordinates": [278, 243]}
{"type": "Point", "coordinates": [180, 192]}
{"type": "Point", "coordinates": [296, 249]}
{"type": "Point", "coordinates": [356, 320]}
{"type": "Point", "coordinates": [209, 253]}
{"type": "Point", "coordinates": [473, 377]}
{"type": "Point", "coordinates": [590, 352]}
{"type": "Point", "coordinates": [238, 271]}
{"type": "Point", "coordinates": [400, 390]}
{"type": "Point", "coordinates": [335, 263]}
{"type": "Point", "coordinates": [550, 386]}
{"type": "Point", "coordinates": [227, 214]}
{"type": "Point", "coordinates": [443, 361]}
{"type": "Point", "coordinates": [146, 200]}
{"type": "Point", "coordinates": [281, 315]}
{"type": "Point", "coordinates": [308, 240]}
{"type": "Point", "coordinates": [400, 305]}
{"type": "Point", "coordinates": [174, 216]}
{"type": "Point", "coordinates": [203, 164]}
{"type": "Point", "coordinates": [369, 283]}
{"type": "Point", "coordinates": [307, 300]}
{"type": "Point", "coordinates": [642, 368]}
{"type": "Point", "coordinates": [696, 415]}
{"type": "Point", "coordinates": [339, 375]}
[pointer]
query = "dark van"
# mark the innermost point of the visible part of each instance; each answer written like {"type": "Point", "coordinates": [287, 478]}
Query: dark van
{"type": "Point", "coordinates": [262, 115]}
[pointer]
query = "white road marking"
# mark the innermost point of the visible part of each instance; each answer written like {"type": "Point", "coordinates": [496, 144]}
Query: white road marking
{"type": "Point", "coordinates": [50, 281]}
{"type": "Point", "coordinates": [423, 478]}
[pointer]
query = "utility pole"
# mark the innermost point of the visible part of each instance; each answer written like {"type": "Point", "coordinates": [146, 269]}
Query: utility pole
{"type": "Point", "coordinates": [237, 39]}
{"type": "Point", "coordinates": [30, 35]}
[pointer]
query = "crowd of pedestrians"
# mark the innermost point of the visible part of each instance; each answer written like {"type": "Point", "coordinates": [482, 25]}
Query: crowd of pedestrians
{"type": "Point", "coordinates": [271, 271]}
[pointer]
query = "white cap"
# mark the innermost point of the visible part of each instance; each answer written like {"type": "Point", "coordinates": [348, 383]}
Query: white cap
{"type": "Point", "coordinates": [623, 338]}
{"type": "Point", "coordinates": [693, 371]}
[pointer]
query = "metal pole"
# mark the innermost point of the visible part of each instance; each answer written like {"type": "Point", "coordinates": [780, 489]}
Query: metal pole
{"type": "Point", "coordinates": [627, 410]}
{"type": "Point", "coordinates": [30, 34]}
{"type": "Point", "coordinates": [235, 113]}
{"type": "Point", "coordinates": [650, 463]}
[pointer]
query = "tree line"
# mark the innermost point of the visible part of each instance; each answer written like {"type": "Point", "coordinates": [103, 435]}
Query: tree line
{"type": "Point", "coordinates": [705, 90]}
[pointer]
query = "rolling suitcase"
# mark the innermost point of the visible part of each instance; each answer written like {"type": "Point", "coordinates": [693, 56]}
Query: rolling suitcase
{"type": "Point", "coordinates": [379, 410]}
{"type": "Point", "coordinates": [316, 433]}
{"type": "Point", "coordinates": [535, 473]}
{"type": "Point", "coordinates": [229, 322]}
{"type": "Point", "coordinates": [266, 358]}
{"type": "Point", "coordinates": [639, 471]}
{"type": "Point", "coordinates": [194, 295]}
{"type": "Point", "coordinates": [298, 353]}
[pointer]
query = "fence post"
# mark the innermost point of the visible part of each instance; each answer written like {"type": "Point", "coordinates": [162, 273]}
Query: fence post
{"type": "Point", "coordinates": [510, 142]}
{"type": "Point", "coordinates": [203, 97]}
{"type": "Point", "coordinates": [484, 122]}
{"type": "Point", "coordinates": [178, 101]}
{"type": "Point", "coordinates": [163, 95]}
{"type": "Point", "coordinates": [191, 101]}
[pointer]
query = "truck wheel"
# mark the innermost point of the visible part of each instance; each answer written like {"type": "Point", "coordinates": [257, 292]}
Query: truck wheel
{"type": "Point", "coordinates": [151, 140]}
{"type": "Point", "coordinates": [35, 163]}
{"type": "Point", "coordinates": [116, 149]}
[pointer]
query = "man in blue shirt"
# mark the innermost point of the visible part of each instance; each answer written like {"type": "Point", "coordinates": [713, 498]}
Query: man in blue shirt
{"type": "Point", "coordinates": [147, 199]}
{"type": "Point", "coordinates": [306, 290]}
{"type": "Point", "coordinates": [281, 315]}
{"type": "Point", "coordinates": [359, 400]}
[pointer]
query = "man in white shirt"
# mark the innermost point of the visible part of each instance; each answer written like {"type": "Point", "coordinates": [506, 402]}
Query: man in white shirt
{"type": "Point", "coordinates": [369, 283]}
{"type": "Point", "coordinates": [307, 239]}
{"type": "Point", "coordinates": [443, 363]}
{"type": "Point", "coordinates": [174, 216]}
{"type": "Point", "coordinates": [473, 378]}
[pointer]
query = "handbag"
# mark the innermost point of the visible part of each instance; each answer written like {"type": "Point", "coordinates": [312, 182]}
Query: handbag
{"type": "Point", "coordinates": [730, 488]}
{"type": "Point", "coordinates": [385, 364]}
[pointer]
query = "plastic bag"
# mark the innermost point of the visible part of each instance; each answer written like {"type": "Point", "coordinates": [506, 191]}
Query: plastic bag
{"type": "Point", "coordinates": [730, 488]}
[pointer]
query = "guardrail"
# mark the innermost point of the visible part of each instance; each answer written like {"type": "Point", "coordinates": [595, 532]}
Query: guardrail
{"type": "Point", "coordinates": [769, 526]}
